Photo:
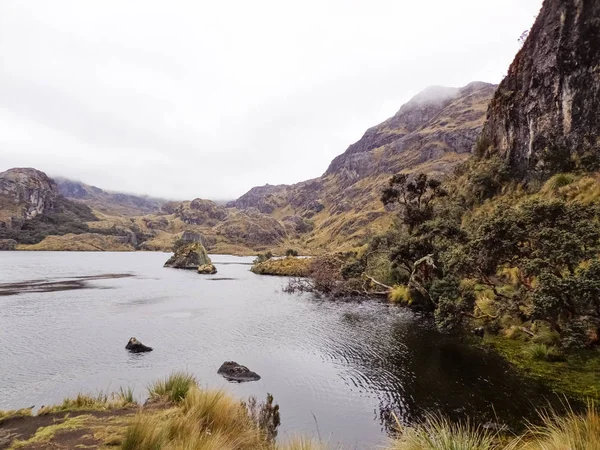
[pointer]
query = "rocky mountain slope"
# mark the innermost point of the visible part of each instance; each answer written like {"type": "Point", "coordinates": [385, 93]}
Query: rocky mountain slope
{"type": "Point", "coordinates": [545, 111]}
{"type": "Point", "coordinates": [433, 132]}
{"type": "Point", "coordinates": [113, 203]}
{"type": "Point", "coordinates": [24, 194]}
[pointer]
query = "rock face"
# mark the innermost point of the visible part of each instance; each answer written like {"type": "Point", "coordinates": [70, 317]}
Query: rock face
{"type": "Point", "coordinates": [263, 198]}
{"type": "Point", "coordinates": [252, 228]}
{"type": "Point", "coordinates": [200, 212]}
{"type": "Point", "coordinates": [135, 346]}
{"type": "Point", "coordinates": [26, 193]}
{"type": "Point", "coordinates": [550, 98]}
{"type": "Point", "coordinates": [435, 122]}
{"type": "Point", "coordinates": [233, 371]}
{"type": "Point", "coordinates": [190, 256]}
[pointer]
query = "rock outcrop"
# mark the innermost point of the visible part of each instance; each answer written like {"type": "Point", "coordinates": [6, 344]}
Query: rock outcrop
{"type": "Point", "coordinates": [26, 193]}
{"type": "Point", "coordinates": [233, 371]}
{"type": "Point", "coordinates": [135, 346]}
{"type": "Point", "coordinates": [191, 256]}
{"type": "Point", "coordinates": [548, 105]}
{"type": "Point", "coordinates": [252, 228]}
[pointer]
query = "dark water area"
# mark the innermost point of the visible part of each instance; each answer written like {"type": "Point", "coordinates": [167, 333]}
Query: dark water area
{"type": "Point", "coordinates": [65, 319]}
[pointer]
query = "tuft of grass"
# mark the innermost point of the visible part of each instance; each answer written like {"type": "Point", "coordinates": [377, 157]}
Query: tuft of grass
{"type": "Point", "coordinates": [203, 420]}
{"type": "Point", "coordinates": [400, 294]}
{"type": "Point", "coordinates": [438, 433]}
{"type": "Point", "coordinates": [88, 402]}
{"type": "Point", "coordinates": [558, 181]}
{"type": "Point", "coordinates": [543, 352]}
{"type": "Point", "coordinates": [174, 388]}
{"type": "Point", "coordinates": [569, 432]}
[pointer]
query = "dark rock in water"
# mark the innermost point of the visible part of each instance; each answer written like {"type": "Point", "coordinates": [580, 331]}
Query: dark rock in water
{"type": "Point", "coordinates": [233, 371]}
{"type": "Point", "coordinates": [479, 331]}
{"type": "Point", "coordinates": [207, 269]}
{"type": "Point", "coordinates": [135, 346]}
{"type": "Point", "coordinates": [189, 256]}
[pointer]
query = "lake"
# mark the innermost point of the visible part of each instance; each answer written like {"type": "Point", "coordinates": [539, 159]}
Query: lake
{"type": "Point", "coordinates": [337, 368]}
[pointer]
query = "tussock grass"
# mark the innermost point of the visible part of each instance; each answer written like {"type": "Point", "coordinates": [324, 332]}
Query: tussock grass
{"type": "Point", "coordinates": [438, 433]}
{"type": "Point", "coordinates": [88, 402]}
{"type": "Point", "coordinates": [203, 420]}
{"type": "Point", "coordinates": [543, 352]}
{"type": "Point", "coordinates": [174, 387]}
{"type": "Point", "coordinates": [569, 432]}
{"type": "Point", "coordinates": [400, 294]}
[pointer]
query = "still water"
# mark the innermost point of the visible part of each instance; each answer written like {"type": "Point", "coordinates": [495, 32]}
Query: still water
{"type": "Point", "coordinates": [337, 369]}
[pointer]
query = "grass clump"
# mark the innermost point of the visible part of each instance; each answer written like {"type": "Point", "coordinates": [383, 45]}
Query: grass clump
{"type": "Point", "coordinates": [400, 294]}
{"type": "Point", "coordinates": [88, 402]}
{"type": "Point", "coordinates": [569, 432]}
{"type": "Point", "coordinates": [438, 433]}
{"type": "Point", "coordinates": [174, 388]}
{"type": "Point", "coordinates": [543, 352]}
{"type": "Point", "coordinates": [203, 420]}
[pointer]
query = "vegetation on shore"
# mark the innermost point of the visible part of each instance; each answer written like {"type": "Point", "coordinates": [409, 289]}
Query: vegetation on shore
{"type": "Point", "coordinates": [290, 266]}
{"type": "Point", "coordinates": [181, 415]}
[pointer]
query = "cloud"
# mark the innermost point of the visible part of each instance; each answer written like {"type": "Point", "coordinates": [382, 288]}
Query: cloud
{"type": "Point", "coordinates": [186, 99]}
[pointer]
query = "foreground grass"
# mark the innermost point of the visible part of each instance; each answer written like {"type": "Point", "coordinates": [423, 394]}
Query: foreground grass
{"type": "Point", "coordinates": [289, 266]}
{"type": "Point", "coordinates": [576, 374]}
{"type": "Point", "coordinates": [186, 417]}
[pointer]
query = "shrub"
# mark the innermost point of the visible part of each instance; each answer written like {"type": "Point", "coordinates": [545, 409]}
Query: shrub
{"type": "Point", "coordinates": [291, 252]}
{"type": "Point", "coordinates": [175, 387]}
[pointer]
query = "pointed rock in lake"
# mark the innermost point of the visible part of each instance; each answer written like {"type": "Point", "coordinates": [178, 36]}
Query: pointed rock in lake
{"type": "Point", "coordinates": [191, 256]}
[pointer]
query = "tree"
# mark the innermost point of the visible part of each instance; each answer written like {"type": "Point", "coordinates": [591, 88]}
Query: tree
{"type": "Point", "coordinates": [414, 196]}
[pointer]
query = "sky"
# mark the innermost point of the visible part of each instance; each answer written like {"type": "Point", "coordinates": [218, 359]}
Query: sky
{"type": "Point", "coordinates": [184, 99]}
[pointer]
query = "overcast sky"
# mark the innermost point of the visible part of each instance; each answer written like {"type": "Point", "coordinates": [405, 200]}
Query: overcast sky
{"type": "Point", "coordinates": [184, 99]}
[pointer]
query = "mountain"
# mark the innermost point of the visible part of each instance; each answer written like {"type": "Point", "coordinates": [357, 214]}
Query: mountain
{"type": "Point", "coordinates": [433, 132]}
{"type": "Point", "coordinates": [24, 194]}
{"type": "Point", "coordinates": [111, 203]}
{"type": "Point", "coordinates": [545, 111]}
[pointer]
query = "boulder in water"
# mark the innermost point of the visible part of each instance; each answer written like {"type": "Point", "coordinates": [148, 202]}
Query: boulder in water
{"type": "Point", "coordinates": [207, 269]}
{"type": "Point", "coordinates": [135, 346]}
{"type": "Point", "coordinates": [233, 371]}
{"type": "Point", "coordinates": [189, 256]}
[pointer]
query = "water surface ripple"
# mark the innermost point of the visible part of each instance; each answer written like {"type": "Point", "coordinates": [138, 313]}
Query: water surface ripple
{"type": "Point", "coordinates": [350, 364]}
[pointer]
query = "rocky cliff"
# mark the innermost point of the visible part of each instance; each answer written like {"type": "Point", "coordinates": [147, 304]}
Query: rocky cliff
{"type": "Point", "coordinates": [25, 193]}
{"type": "Point", "coordinates": [547, 108]}
{"type": "Point", "coordinates": [433, 132]}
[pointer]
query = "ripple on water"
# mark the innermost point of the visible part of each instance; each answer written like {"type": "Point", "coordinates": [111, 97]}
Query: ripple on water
{"type": "Point", "coordinates": [350, 364]}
